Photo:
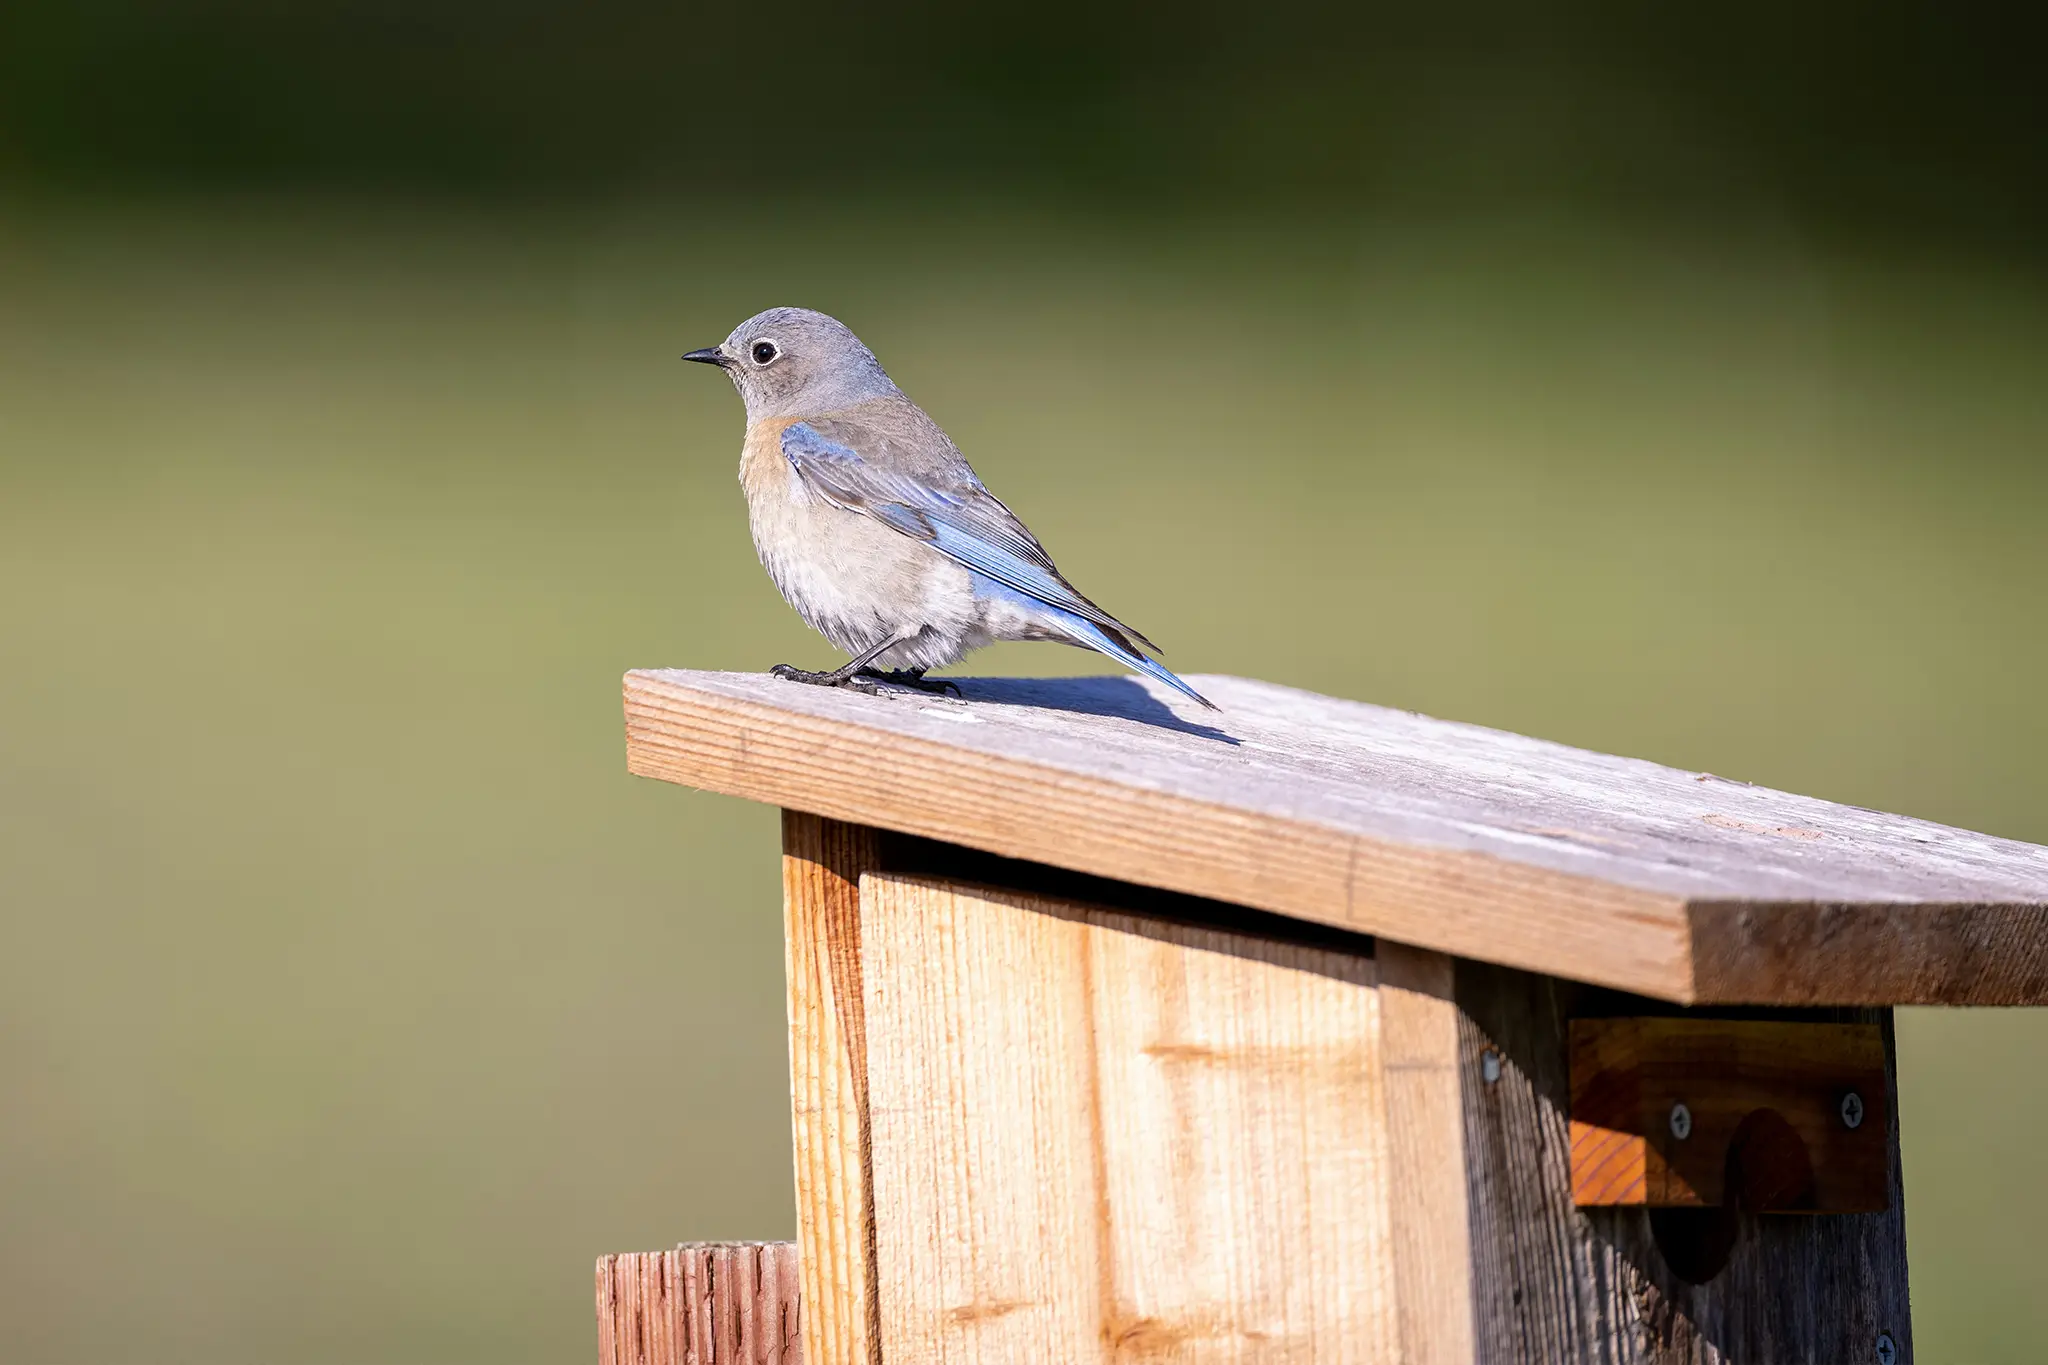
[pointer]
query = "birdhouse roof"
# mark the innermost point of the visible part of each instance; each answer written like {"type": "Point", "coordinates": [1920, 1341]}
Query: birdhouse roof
{"type": "Point", "coordinates": [1455, 837]}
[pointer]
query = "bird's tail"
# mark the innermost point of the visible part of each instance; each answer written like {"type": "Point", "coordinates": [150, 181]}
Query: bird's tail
{"type": "Point", "coordinates": [1086, 632]}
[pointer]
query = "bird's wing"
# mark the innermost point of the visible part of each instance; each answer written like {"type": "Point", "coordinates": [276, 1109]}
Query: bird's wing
{"type": "Point", "coordinates": [951, 512]}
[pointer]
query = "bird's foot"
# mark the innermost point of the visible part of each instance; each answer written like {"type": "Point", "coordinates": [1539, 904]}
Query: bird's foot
{"type": "Point", "coordinates": [915, 679]}
{"type": "Point", "coordinates": [874, 682]}
{"type": "Point", "coordinates": [852, 682]}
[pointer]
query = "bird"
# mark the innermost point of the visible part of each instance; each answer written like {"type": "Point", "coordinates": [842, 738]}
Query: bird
{"type": "Point", "coordinates": [876, 529]}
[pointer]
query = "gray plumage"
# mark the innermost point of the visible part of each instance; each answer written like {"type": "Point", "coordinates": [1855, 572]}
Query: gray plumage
{"type": "Point", "coordinates": [874, 526]}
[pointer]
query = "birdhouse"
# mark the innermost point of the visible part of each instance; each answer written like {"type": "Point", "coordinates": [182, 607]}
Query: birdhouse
{"type": "Point", "coordinates": [1313, 1031]}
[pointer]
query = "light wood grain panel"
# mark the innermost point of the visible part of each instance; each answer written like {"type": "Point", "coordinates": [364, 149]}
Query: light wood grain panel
{"type": "Point", "coordinates": [702, 1303]}
{"type": "Point", "coordinates": [1100, 1137]}
{"type": "Point", "coordinates": [1452, 837]}
{"type": "Point", "coordinates": [988, 1218]}
{"type": "Point", "coordinates": [822, 865]}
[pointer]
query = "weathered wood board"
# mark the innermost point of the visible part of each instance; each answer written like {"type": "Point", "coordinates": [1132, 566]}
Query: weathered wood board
{"type": "Point", "coordinates": [1469, 841]}
{"type": "Point", "coordinates": [1556, 1283]}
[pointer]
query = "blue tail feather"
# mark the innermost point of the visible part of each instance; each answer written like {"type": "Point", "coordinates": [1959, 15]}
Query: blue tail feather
{"type": "Point", "coordinates": [1101, 640]}
{"type": "Point", "coordinates": [1083, 631]}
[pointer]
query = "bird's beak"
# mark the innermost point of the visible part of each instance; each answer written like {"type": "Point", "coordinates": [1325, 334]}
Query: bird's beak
{"type": "Point", "coordinates": [710, 355]}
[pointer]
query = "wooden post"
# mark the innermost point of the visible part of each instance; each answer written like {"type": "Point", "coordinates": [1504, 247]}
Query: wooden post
{"type": "Point", "coordinates": [1120, 1034]}
{"type": "Point", "coordinates": [704, 1303]}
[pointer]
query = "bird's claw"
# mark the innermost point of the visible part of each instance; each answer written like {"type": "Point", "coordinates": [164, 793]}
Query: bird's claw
{"type": "Point", "coordinates": [915, 680]}
{"type": "Point", "coordinates": [852, 682]}
{"type": "Point", "coordinates": [870, 682]}
{"type": "Point", "coordinates": [791, 673]}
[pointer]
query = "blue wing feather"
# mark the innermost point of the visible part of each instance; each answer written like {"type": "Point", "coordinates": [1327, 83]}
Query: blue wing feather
{"type": "Point", "coordinates": [971, 527]}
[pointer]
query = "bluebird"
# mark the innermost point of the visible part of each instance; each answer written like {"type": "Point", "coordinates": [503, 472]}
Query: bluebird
{"type": "Point", "coordinates": [874, 526]}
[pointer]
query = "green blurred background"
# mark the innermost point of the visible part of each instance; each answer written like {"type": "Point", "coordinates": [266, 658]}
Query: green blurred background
{"type": "Point", "coordinates": [1668, 384]}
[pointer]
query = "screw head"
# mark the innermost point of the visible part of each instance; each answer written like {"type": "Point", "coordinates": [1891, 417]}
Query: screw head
{"type": "Point", "coordinates": [1489, 1066]}
{"type": "Point", "coordinates": [1887, 1349]}
{"type": "Point", "coordinates": [1681, 1121]}
{"type": "Point", "coordinates": [1852, 1110]}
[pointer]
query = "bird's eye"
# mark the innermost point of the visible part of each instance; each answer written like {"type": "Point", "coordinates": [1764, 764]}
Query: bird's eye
{"type": "Point", "coordinates": [765, 351]}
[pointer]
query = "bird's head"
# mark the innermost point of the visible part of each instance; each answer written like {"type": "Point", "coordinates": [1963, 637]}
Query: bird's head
{"type": "Point", "coordinates": [795, 362]}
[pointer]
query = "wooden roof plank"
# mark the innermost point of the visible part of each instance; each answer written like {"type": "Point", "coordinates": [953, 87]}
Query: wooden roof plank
{"type": "Point", "coordinates": [1449, 836]}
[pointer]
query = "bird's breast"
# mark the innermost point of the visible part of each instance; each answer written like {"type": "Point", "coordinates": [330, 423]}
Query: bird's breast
{"type": "Point", "coordinates": [851, 577]}
{"type": "Point", "coordinates": [765, 472]}
{"type": "Point", "coordinates": [781, 512]}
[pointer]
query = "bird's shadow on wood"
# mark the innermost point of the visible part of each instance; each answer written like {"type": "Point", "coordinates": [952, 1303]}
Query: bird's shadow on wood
{"type": "Point", "coordinates": [1121, 698]}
